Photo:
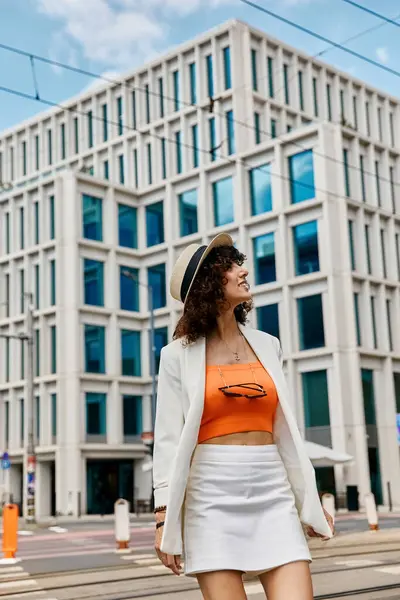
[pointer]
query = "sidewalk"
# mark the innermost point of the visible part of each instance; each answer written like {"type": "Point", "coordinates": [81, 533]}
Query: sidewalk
{"type": "Point", "coordinates": [345, 538]}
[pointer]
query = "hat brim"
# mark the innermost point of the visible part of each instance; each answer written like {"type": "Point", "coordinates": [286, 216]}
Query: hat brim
{"type": "Point", "coordinates": [222, 239]}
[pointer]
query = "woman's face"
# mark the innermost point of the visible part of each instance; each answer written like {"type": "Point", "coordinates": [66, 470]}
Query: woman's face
{"type": "Point", "coordinates": [237, 289]}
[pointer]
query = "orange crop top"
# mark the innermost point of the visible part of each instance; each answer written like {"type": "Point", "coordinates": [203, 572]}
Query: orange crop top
{"type": "Point", "coordinates": [223, 415]}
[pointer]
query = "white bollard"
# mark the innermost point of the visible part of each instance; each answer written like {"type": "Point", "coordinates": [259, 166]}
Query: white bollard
{"type": "Point", "coordinates": [328, 502]}
{"type": "Point", "coordinates": [372, 514]}
{"type": "Point", "coordinates": [122, 525]}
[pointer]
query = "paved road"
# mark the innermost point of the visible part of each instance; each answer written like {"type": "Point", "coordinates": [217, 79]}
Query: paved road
{"type": "Point", "coordinates": [91, 544]}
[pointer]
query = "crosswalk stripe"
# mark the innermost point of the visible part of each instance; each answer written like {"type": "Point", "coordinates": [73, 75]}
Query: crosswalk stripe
{"type": "Point", "coordinates": [394, 570]}
{"type": "Point", "coordinates": [144, 562]}
{"type": "Point", "coordinates": [5, 570]}
{"type": "Point", "coordinates": [159, 568]}
{"type": "Point", "coordinates": [8, 575]}
{"type": "Point", "coordinates": [16, 584]}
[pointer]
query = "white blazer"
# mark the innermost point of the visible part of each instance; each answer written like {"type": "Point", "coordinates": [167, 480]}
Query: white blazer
{"type": "Point", "coordinates": [180, 402]}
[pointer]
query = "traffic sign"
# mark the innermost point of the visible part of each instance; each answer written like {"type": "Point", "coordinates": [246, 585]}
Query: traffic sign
{"type": "Point", "coordinates": [5, 461]}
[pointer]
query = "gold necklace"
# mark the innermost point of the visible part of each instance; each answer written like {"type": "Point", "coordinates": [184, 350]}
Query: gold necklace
{"type": "Point", "coordinates": [235, 354]}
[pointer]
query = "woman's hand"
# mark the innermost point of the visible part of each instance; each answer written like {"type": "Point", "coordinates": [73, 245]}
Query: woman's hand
{"type": "Point", "coordinates": [311, 533]}
{"type": "Point", "coordinates": [170, 561]}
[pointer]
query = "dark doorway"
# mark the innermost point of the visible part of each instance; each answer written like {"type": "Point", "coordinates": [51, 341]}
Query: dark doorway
{"type": "Point", "coordinates": [108, 480]}
{"type": "Point", "coordinates": [53, 488]}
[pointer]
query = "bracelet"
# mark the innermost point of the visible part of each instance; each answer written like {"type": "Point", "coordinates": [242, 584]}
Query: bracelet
{"type": "Point", "coordinates": [160, 509]}
{"type": "Point", "coordinates": [160, 524]}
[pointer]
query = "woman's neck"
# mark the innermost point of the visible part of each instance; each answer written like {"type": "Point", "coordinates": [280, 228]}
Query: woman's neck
{"type": "Point", "coordinates": [227, 327]}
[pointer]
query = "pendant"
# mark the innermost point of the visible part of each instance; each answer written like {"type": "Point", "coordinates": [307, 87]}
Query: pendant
{"type": "Point", "coordinates": [237, 357]}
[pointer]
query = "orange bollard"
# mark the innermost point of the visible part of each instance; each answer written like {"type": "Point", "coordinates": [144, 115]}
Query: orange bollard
{"type": "Point", "coordinates": [10, 530]}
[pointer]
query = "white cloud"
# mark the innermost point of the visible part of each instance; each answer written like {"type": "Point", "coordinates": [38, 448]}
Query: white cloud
{"type": "Point", "coordinates": [382, 55]}
{"type": "Point", "coordinates": [120, 33]}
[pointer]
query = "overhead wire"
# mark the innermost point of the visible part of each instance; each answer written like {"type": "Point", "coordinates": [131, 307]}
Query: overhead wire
{"type": "Point", "coordinates": [372, 12]}
{"type": "Point", "coordinates": [233, 161]}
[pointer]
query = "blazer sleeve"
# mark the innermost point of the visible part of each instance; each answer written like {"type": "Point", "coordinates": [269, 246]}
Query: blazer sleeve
{"type": "Point", "coordinates": [168, 426]}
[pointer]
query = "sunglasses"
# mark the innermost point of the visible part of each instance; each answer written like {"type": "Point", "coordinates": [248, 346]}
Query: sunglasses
{"type": "Point", "coordinates": [254, 387]}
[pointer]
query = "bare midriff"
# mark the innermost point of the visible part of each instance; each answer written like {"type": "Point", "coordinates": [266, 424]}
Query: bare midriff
{"type": "Point", "coordinates": [246, 438]}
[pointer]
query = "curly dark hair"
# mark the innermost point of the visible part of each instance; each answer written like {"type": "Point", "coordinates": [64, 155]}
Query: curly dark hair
{"type": "Point", "coordinates": [206, 299]}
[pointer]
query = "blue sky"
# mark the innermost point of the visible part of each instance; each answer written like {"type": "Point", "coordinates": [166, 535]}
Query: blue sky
{"type": "Point", "coordinates": [113, 36]}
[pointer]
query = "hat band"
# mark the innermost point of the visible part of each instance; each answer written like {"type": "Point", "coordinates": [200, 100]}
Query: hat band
{"type": "Point", "coordinates": [190, 271]}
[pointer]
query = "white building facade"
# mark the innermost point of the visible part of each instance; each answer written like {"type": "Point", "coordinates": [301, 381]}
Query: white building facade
{"type": "Point", "coordinates": [233, 131]}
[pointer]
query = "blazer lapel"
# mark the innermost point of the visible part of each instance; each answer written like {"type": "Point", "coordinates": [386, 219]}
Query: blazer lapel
{"type": "Point", "coordinates": [195, 375]}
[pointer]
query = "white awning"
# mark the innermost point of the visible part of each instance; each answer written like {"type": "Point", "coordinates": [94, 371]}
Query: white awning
{"type": "Point", "coordinates": [322, 456]}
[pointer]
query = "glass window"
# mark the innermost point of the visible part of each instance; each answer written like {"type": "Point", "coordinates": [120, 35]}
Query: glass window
{"type": "Point", "coordinates": [22, 420]}
{"type": "Point", "coordinates": [223, 201]}
{"type": "Point", "coordinates": [156, 280]}
{"type": "Point", "coordinates": [195, 146]}
{"type": "Point", "coordinates": [49, 147]}
{"type": "Point", "coordinates": [378, 184]}
{"type": "Point", "coordinates": [155, 224]}
{"type": "Point", "coordinates": [188, 212]}
{"type": "Point", "coordinates": [254, 69]}
{"type": "Point", "coordinates": [104, 112]}
{"type": "Point", "coordinates": [316, 407]}
{"type": "Point", "coordinates": [147, 95]}
{"type": "Point", "coordinates": [362, 175]}
{"type": "Point", "coordinates": [95, 359]}
{"type": "Point", "coordinates": [62, 136]}
{"type": "Point", "coordinates": [22, 290]}
{"type": "Point", "coordinates": [37, 419]}
{"type": "Point", "coordinates": [132, 415]}
{"type": "Point", "coordinates": [305, 240]}
{"type": "Point", "coordinates": [329, 101]}
{"type": "Point", "coordinates": [227, 67]}
{"type": "Point", "coordinates": [163, 158]}
{"type": "Point", "coordinates": [213, 139]}
{"type": "Point", "coordinates": [352, 249]}
{"type": "Point", "coordinates": [270, 67]}
{"type": "Point", "coordinates": [210, 76]}
{"type": "Point", "coordinates": [90, 128]}
{"type": "Point", "coordinates": [129, 288]}
{"type": "Point", "coordinates": [315, 95]}
{"type": "Point", "coordinates": [396, 377]}
{"type": "Point", "coordinates": [53, 399]}
{"type": "Point", "coordinates": [127, 226]}
{"type": "Point", "coordinates": [22, 360]}
{"type": "Point", "coordinates": [357, 318]}
{"type": "Point", "coordinates": [373, 316]}
{"type": "Point", "coordinates": [342, 107]}
{"type": "Point", "coordinates": [268, 319]}
{"type": "Point", "coordinates": [367, 119]}
{"type": "Point", "coordinates": [7, 423]}
{"type": "Point", "coordinates": [397, 242]}
{"type": "Point", "coordinates": [24, 166]}
{"type": "Point", "coordinates": [135, 167]}
{"type": "Point", "coordinates": [175, 76]}
{"type": "Point", "coordinates": [367, 379]}
{"type": "Point", "coordinates": [96, 418]}
{"type": "Point", "coordinates": [93, 282]}
{"type": "Point", "coordinates": [76, 135]}
{"type": "Point", "coordinates": [391, 125]}
{"type": "Point", "coordinates": [52, 282]}
{"type": "Point", "coordinates": [160, 340]}
{"type": "Point", "coordinates": [192, 78]}
{"type": "Point", "coordinates": [134, 121]}
{"type": "Point", "coordinates": [286, 82]}
{"type": "Point", "coordinates": [257, 128]}
{"type": "Point", "coordinates": [273, 128]}
{"type": "Point", "coordinates": [92, 218]}
{"type": "Point", "coordinates": [311, 322]}
{"type": "Point", "coordinates": [264, 258]}
{"type": "Point", "coordinates": [7, 295]}
{"type": "Point", "coordinates": [130, 353]}
{"type": "Point", "coordinates": [367, 246]}
{"type": "Point", "coordinates": [7, 357]}
{"type": "Point", "coordinates": [392, 189]}
{"type": "Point", "coordinates": [121, 169]}
{"type": "Point", "coordinates": [106, 170]}
{"type": "Point", "coordinates": [383, 250]}
{"type": "Point", "coordinates": [301, 172]}
{"type": "Point", "coordinates": [149, 165]}
{"type": "Point", "coordinates": [37, 287]}
{"type": "Point", "coordinates": [7, 225]}
{"type": "Point", "coordinates": [260, 189]}
{"type": "Point", "coordinates": [21, 228]}
{"type": "Point", "coordinates": [36, 211]}
{"type": "Point", "coordinates": [161, 96]}
{"type": "Point", "coordinates": [53, 345]}
{"type": "Point", "coordinates": [120, 116]}
{"type": "Point", "coordinates": [37, 153]}
{"type": "Point", "coordinates": [52, 218]}
{"type": "Point", "coordinates": [301, 94]}
{"type": "Point", "coordinates": [380, 123]}
{"type": "Point", "coordinates": [355, 112]}
{"type": "Point", "coordinates": [178, 147]}
{"type": "Point", "coordinates": [389, 323]}
{"type": "Point", "coordinates": [230, 128]}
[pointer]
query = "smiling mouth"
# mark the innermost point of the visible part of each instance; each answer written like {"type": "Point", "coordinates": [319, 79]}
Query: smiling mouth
{"type": "Point", "coordinates": [245, 284]}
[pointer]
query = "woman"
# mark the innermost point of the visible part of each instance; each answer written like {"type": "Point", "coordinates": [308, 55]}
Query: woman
{"type": "Point", "coordinates": [232, 481]}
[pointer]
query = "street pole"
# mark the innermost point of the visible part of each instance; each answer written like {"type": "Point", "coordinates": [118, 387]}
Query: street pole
{"type": "Point", "coordinates": [30, 445]}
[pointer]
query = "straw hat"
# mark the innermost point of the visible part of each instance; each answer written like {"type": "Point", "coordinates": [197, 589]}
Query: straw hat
{"type": "Point", "coordinates": [189, 263]}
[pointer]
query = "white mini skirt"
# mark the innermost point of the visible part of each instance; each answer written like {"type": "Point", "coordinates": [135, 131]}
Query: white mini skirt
{"type": "Point", "coordinates": [239, 512]}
